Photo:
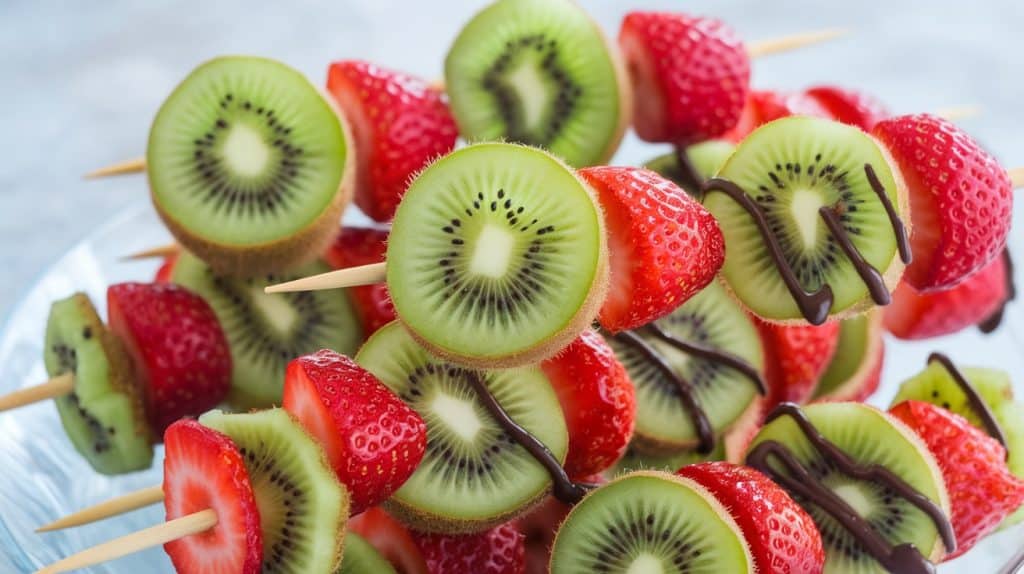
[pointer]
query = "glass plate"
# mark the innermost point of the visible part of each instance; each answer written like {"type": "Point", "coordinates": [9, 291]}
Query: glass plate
{"type": "Point", "coordinates": [42, 477]}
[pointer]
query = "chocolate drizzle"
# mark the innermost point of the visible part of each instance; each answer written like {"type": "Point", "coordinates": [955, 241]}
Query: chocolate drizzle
{"type": "Point", "coordinates": [995, 319]}
{"type": "Point", "coordinates": [902, 558]}
{"type": "Point", "coordinates": [563, 488]}
{"type": "Point", "coordinates": [978, 405]}
{"type": "Point", "coordinates": [868, 274]}
{"type": "Point", "coordinates": [689, 178]}
{"type": "Point", "coordinates": [709, 354]}
{"type": "Point", "coordinates": [902, 242]}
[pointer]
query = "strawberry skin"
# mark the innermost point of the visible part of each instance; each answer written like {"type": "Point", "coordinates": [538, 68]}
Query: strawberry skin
{"type": "Point", "coordinates": [781, 535]}
{"type": "Point", "coordinates": [372, 439]}
{"type": "Point", "coordinates": [981, 488]}
{"type": "Point", "coordinates": [499, 550]}
{"type": "Point", "coordinates": [356, 246]}
{"type": "Point", "coordinates": [400, 124]}
{"type": "Point", "coordinates": [203, 469]}
{"type": "Point", "coordinates": [663, 245]}
{"type": "Point", "coordinates": [850, 106]}
{"type": "Point", "coordinates": [690, 76]}
{"type": "Point", "coordinates": [389, 537]}
{"type": "Point", "coordinates": [916, 315]}
{"type": "Point", "coordinates": [763, 106]}
{"type": "Point", "coordinates": [598, 400]}
{"type": "Point", "coordinates": [960, 199]}
{"type": "Point", "coordinates": [795, 358]}
{"type": "Point", "coordinates": [166, 269]}
{"type": "Point", "coordinates": [179, 349]}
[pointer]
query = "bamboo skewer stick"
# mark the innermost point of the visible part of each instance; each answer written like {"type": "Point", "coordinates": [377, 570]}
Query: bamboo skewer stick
{"type": "Point", "coordinates": [159, 252]}
{"type": "Point", "coordinates": [113, 507]}
{"type": "Point", "coordinates": [121, 168]}
{"type": "Point", "coordinates": [56, 387]}
{"type": "Point", "coordinates": [958, 113]}
{"type": "Point", "coordinates": [153, 536]}
{"type": "Point", "coordinates": [350, 277]}
{"type": "Point", "coordinates": [1016, 176]}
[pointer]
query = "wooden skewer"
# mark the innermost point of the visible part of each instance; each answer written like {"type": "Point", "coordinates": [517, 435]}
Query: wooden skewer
{"type": "Point", "coordinates": [793, 42]}
{"type": "Point", "coordinates": [1016, 176]}
{"type": "Point", "coordinates": [121, 168]}
{"type": "Point", "coordinates": [350, 277]}
{"type": "Point", "coordinates": [55, 387]}
{"type": "Point", "coordinates": [113, 507]}
{"type": "Point", "coordinates": [160, 252]}
{"type": "Point", "coordinates": [153, 536]}
{"type": "Point", "coordinates": [958, 113]}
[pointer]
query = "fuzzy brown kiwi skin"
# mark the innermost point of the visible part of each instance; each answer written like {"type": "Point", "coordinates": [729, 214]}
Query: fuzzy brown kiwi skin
{"type": "Point", "coordinates": [246, 261]}
{"type": "Point", "coordinates": [346, 503]}
{"type": "Point", "coordinates": [558, 341]}
{"type": "Point", "coordinates": [431, 522]}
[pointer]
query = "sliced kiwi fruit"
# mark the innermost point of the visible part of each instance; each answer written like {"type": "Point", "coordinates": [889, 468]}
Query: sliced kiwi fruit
{"type": "Point", "coordinates": [497, 256]}
{"type": "Point", "coordinates": [539, 72]}
{"type": "Point", "coordinates": [869, 437]}
{"type": "Point", "coordinates": [249, 165]}
{"type": "Point", "coordinates": [653, 522]}
{"type": "Point", "coordinates": [103, 415]}
{"type": "Point", "coordinates": [362, 558]}
{"type": "Point", "coordinates": [706, 158]}
{"type": "Point", "coordinates": [634, 460]}
{"type": "Point", "coordinates": [265, 332]}
{"type": "Point", "coordinates": [712, 319]}
{"type": "Point", "coordinates": [474, 475]}
{"type": "Point", "coordinates": [303, 508]}
{"type": "Point", "coordinates": [792, 168]}
{"type": "Point", "coordinates": [853, 372]}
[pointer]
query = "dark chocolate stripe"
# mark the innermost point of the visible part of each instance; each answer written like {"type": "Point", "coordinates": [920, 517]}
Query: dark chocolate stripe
{"type": "Point", "coordinates": [902, 243]}
{"type": "Point", "coordinates": [868, 274]}
{"type": "Point", "coordinates": [978, 405]}
{"type": "Point", "coordinates": [708, 353]}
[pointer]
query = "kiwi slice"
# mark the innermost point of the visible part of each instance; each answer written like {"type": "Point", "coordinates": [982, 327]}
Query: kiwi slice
{"type": "Point", "coordinates": [706, 158]}
{"type": "Point", "coordinates": [497, 256]}
{"type": "Point", "coordinates": [265, 332]}
{"type": "Point", "coordinates": [792, 168]}
{"type": "Point", "coordinates": [634, 460]}
{"type": "Point", "coordinates": [539, 72]}
{"type": "Point", "coordinates": [853, 372]}
{"type": "Point", "coordinates": [473, 475]}
{"type": "Point", "coordinates": [712, 319]}
{"type": "Point", "coordinates": [650, 522]}
{"type": "Point", "coordinates": [868, 437]}
{"type": "Point", "coordinates": [303, 507]}
{"type": "Point", "coordinates": [249, 165]}
{"type": "Point", "coordinates": [362, 558]}
{"type": "Point", "coordinates": [103, 415]}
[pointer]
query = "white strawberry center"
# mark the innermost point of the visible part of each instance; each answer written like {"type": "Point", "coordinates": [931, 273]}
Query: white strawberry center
{"type": "Point", "coordinates": [245, 151]}
{"type": "Point", "coordinates": [493, 252]}
{"type": "Point", "coordinates": [458, 415]}
{"type": "Point", "coordinates": [645, 564]}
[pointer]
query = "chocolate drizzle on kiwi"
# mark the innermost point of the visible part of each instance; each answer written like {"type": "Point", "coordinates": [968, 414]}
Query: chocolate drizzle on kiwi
{"type": "Point", "coordinates": [978, 405]}
{"type": "Point", "coordinates": [994, 320]}
{"type": "Point", "coordinates": [902, 558]}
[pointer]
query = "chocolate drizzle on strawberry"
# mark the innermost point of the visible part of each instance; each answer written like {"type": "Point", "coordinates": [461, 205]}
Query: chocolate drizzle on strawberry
{"type": "Point", "coordinates": [901, 558]}
{"type": "Point", "coordinates": [978, 405]}
{"type": "Point", "coordinates": [564, 489]}
{"type": "Point", "coordinates": [996, 319]}
{"type": "Point", "coordinates": [816, 305]}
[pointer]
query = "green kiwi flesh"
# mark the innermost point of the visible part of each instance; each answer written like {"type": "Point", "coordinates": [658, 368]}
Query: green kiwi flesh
{"type": "Point", "coordinates": [792, 167]}
{"type": "Point", "coordinates": [303, 507]}
{"type": "Point", "coordinates": [265, 332]}
{"type": "Point", "coordinates": [247, 162]}
{"type": "Point", "coordinates": [362, 558]}
{"type": "Point", "coordinates": [103, 416]}
{"type": "Point", "coordinates": [713, 319]}
{"type": "Point", "coordinates": [634, 460]}
{"type": "Point", "coordinates": [497, 256]}
{"type": "Point", "coordinates": [707, 158]}
{"type": "Point", "coordinates": [650, 522]}
{"type": "Point", "coordinates": [473, 475]}
{"type": "Point", "coordinates": [539, 72]}
{"type": "Point", "coordinates": [869, 437]}
{"type": "Point", "coordinates": [855, 359]}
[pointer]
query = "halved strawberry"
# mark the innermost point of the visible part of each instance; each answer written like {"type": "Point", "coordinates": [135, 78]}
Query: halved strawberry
{"type": "Point", "coordinates": [916, 315]}
{"type": "Point", "coordinates": [499, 550]}
{"type": "Point", "coordinates": [795, 358]}
{"type": "Point", "coordinates": [782, 537]}
{"type": "Point", "coordinates": [362, 246]}
{"type": "Point", "coordinates": [850, 106]}
{"type": "Point", "coordinates": [179, 349]}
{"type": "Point", "coordinates": [400, 124]}
{"type": "Point", "coordinates": [981, 488]}
{"type": "Point", "coordinates": [391, 538]}
{"type": "Point", "coordinates": [204, 470]}
{"type": "Point", "coordinates": [663, 245]}
{"type": "Point", "coordinates": [372, 439]}
{"type": "Point", "coordinates": [166, 269]}
{"type": "Point", "coordinates": [598, 400]}
{"type": "Point", "coordinates": [763, 106]}
{"type": "Point", "coordinates": [690, 76]}
{"type": "Point", "coordinates": [960, 199]}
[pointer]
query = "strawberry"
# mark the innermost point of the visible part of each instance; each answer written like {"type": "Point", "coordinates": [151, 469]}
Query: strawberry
{"type": "Point", "coordinates": [499, 550]}
{"type": "Point", "coordinates": [782, 537]}
{"type": "Point", "coordinates": [389, 537]}
{"type": "Point", "coordinates": [372, 439]}
{"type": "Point", "coordinates": [795, 357]}
{"type": "Point", "coordinates": [598, 400]}
{"type": "Point", "coordinates": [166, 270]}
{"type": "Point", "coordinates": [916, 315]}
{"type": "Point", "coordinates": [541, 524]}
{"type": "Point", "coordinates": [363, 246]}
{"type": "Point", "coordinates": [179, 349]}
{"type": "Point", "coordinates": [690, 76]}
{"type": "Point", "coordinates": [204, 470]}
{"type": "Point", "coordinates": [849, 106]}
{"type": "Point", "coordinates": [763, 106]}
{"type": "Point", "coordinates": [663, 245]}
{"type": "Point", "coordinates": [399, 123]}
{"type": "Point", "coordinates": [981, 488]}
{"type": "Point", "coordinates": [960, 199]}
